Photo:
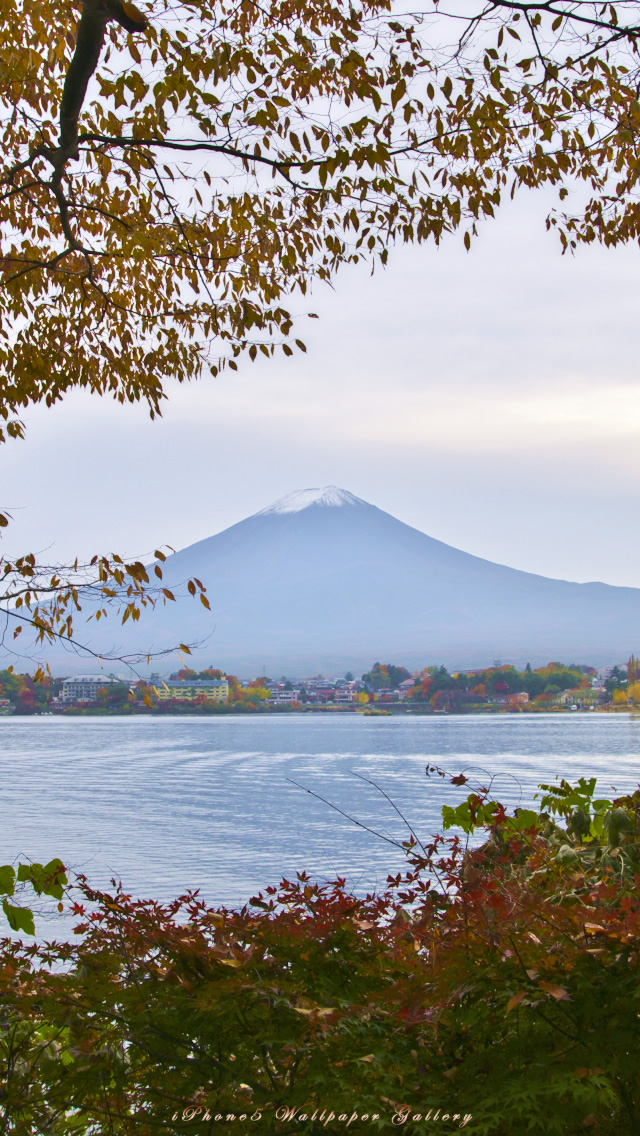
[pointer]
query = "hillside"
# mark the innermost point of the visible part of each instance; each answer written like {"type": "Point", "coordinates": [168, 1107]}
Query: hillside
{"type": "Point", "coordinates": [322, 580]}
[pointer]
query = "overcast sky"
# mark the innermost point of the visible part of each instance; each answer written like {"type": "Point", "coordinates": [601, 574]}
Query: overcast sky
{"type": "Point", "coordinates": [490, 399]}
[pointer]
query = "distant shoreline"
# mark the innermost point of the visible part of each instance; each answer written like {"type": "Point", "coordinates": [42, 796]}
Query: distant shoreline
{"type": "Point", "coordinates": [422, 710]}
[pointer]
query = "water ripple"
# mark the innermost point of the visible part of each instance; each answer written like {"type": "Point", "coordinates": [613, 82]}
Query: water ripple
{"type": "Point", "coordinates": [172, 803]}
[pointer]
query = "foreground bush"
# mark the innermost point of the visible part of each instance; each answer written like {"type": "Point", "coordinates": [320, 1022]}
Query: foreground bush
{"type": "Point", "coordinates": [497, 984]}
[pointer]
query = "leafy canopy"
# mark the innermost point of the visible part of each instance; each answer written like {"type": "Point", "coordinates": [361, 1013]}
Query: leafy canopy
{"type": "Point", "coordinates": [169, 179]}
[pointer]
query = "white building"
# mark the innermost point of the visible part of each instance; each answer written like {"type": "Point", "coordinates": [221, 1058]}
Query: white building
{"type": "Point", "coordinates": [281, 696]}
{"type": "Point", "coordinates": [84, 688]}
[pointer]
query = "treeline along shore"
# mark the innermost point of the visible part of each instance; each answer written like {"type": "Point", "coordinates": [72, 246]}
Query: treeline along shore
{"type": "Point", "coordinates": [385, 689]}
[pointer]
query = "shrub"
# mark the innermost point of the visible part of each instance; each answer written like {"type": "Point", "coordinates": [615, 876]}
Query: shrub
{"type": "Point", "coordinates": [497, 983]}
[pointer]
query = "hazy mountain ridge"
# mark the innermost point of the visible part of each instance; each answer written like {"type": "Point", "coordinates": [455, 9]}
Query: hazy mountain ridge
{"type": "Point", "coordinates": [322, 580]}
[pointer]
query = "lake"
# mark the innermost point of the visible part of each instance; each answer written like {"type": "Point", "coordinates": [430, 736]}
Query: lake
{"type": "Point", "coordinates": [168, 804]}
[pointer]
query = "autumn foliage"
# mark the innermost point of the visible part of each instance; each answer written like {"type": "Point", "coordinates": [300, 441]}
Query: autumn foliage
{"type": "Point", "coordinates": [169, 178]}
{"type": "Point", "coordinates": [497, 979]}
{"type": "Point", "coordinates": [460, 690]}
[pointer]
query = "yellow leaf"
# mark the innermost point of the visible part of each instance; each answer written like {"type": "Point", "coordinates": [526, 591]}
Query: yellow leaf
{"type": "Point", "coordinates": [515, 1001]}
{"type": "Point", "coordinates": [318, 1011]}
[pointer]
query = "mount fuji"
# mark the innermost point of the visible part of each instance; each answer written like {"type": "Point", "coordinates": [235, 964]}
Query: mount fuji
{"type": "Point", "coordinates": [323, 581]}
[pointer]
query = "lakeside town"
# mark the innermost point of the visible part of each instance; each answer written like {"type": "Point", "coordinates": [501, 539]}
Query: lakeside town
{"type": "Point", "coordinates": [385, 689]}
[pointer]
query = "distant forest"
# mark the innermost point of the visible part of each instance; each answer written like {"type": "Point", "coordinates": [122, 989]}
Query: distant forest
{"type": "Point", "coordinates": [434, 687]}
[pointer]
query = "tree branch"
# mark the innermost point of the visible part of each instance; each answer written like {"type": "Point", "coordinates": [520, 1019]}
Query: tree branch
{"type": "Point", "coordinates": [96, 14]}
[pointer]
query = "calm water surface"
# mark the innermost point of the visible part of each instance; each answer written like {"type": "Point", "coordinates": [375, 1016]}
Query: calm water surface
{"type": "Point", "coordinates": [168, 804]}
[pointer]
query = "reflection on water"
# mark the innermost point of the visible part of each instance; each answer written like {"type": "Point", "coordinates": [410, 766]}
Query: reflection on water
{"type": "Point", "coordinates": [168, 804]}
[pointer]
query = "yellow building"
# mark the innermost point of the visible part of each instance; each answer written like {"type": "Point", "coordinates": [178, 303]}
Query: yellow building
{"type": "Point", "coordinates": [185, 690]}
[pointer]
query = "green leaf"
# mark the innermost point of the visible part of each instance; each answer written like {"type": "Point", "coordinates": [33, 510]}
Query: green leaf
{"type": "Point", "coordinates": [45, 879]}
{"type": "Point", "coordinates": [55, 877]}
{"type": "Point", "coordinates": [525, 818]}
{"type": "Point", "coordinates": [7, 880]}
{"type": "Point", "coordinates": [596, 828]}
{"type": "Point", "coordinates": [470, 814]}
{"type": "Point", "coordinates": [566, 855]}
{"type": "Point", "coordinates": [19, 918]}
{"type": "Point", "coordinates": [460, 817]}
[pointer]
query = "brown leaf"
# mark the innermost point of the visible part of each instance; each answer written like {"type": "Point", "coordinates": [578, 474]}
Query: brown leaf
{"type": "Point", "coordinates": [557, 992]}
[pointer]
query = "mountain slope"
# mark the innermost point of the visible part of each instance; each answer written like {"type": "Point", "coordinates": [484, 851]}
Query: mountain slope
{"type": "Point", "coordinates": [323, 580]}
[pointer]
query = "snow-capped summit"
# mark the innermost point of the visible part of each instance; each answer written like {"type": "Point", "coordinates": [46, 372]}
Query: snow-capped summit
{"type": "Point", "coordinates": [301, 499]}
{"type": "Point", "coordinates": [322, 580]}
